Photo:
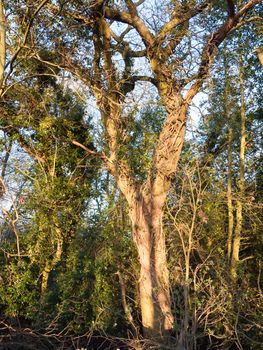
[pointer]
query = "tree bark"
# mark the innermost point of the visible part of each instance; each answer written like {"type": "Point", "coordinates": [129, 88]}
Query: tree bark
{"type": "Point", "coordinates": [229, 195]}
{"type": "Point", "coordinates": [2, 43]}
{"type": "Point", "coordinates": [51, 264]}
{"type": "Point", "coordinates": [229, 158]}
{"type": "Point", "coordinates": [146, 203]}
{"type": "Point", "coordinates": [149, 238]}
{"type": "Point", "coordinates": [241, 181]}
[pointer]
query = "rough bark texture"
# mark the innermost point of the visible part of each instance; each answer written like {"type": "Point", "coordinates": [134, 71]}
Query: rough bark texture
{"type": "Point", "coordinates": [146, 216]}
{"type": "Point", "coordinates": [154, 286]}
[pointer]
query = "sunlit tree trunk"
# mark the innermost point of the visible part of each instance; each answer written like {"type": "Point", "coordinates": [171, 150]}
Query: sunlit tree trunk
{"type": "Point", "coordinates": [148, 222]}
{"type": "Point", "coordinates": [229, 194]}
{"type": "Point", "coordinates": [146, 202]}
{"type": "Point", "coordinates": [145, 211]}
{"type": "Point", "coordinates": [154, 286]}
{"type": "Point", "coordinates": [2, 42]}
{"type": "Point", "coordinates": [229, 157]}
{"type": "Point", "coordinates": [51, 264]}
{"type": "Point", "coordinates": [241, 181]}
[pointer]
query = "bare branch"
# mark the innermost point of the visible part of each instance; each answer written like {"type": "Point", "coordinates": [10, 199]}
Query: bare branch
{"type": "Point", "coordinates": [213, 42]}
{"type": "Point", "coordinates": [119, 16]}
{"type": "Point", "coordinates": [245, 21]}
{"type": "Point", "coordinates": [78, 17]}
{"type": "Point", "coordinates": [100, 155]}
{"type": "Point", "coordinates": [29, 25]}
{"type": "Point", "coordinates": [29, 148]}
{"type": "Point", "coordinates": [139, 25]}
{"type": "Point", "coordinates": [178, 20]}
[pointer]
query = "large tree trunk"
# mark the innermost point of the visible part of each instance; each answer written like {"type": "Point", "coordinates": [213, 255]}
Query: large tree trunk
{"type": "Point", "coordinates": [146, 213]}
{"type": "Point", "coordinates": [155, 301]}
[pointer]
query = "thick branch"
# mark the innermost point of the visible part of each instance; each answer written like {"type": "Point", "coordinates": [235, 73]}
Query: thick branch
{"type": "Point", "coordinates": [138, 24]}
{"type": "Point", "coordinates": [179, 19]}
{"type": "Point", "coordinates": [230, 8]}
{"type": "Point", "coordinates": [144, 78]}
{"type": "Point", "coordinates": [130, 53]}
{"type": "Point", "coordinates": [123, 47]}
{"type": "Point", "coordinates": [100, 155]}
{"type": "Point", "coordinates": [119, 16]}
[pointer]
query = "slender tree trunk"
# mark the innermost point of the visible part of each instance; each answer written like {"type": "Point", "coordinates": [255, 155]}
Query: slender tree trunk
{"type": "Point", "coordinates": [50, 265]}
{"type": "Point", "coordinates": [2, 43]}
{"type": "Point", "coordinates": [229, 194]}
{"type": "Point", "coordinates": [229, 158]}
{"type": "Point", "coordinates": [241, 182]}
{"type": "Point", "coordinates": [125, 305]}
